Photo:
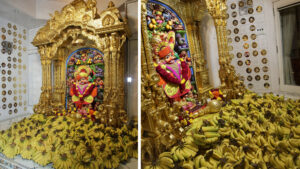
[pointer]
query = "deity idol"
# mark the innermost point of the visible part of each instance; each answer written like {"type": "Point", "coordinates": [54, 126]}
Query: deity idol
{"type": "Point", "coordinates": [83, 91]}
{"type": "Point", "coordinates": [175, 73]}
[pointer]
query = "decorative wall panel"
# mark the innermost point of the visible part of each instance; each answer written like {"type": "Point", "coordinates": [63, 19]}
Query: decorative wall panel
{"type": "Point", "coordinates": [248, 43]}
{"type": "Point", "coordinates": [13, 68]}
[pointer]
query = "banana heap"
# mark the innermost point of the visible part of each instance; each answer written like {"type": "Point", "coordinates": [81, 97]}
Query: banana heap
{"type": "Point", "coordinates": [253, 132]}
{"type": "Point", "coordinates": [69, 144]}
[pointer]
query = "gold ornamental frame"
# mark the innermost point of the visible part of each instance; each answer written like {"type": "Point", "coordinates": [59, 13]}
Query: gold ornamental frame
{"type": "Point", "coordinates": [79, 25]}
{"type": "Point", "coordinates": [160, 126]}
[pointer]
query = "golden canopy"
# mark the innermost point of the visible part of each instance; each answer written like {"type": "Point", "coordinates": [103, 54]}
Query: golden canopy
{"type": "Point", "coordinates": [79, 25]}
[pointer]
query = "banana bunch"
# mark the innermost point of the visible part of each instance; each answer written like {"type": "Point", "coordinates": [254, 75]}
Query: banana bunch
{"type": "Point", "coordinates": [165, 161]}
{"type": "Point", "coordinates": [67, 143]}
{"type": "Point", "coordinates": [207, 133]}
{"type": "Point", "coordinates": [251, 132]}
{"type": "Point", "coordinates": [184, 151]}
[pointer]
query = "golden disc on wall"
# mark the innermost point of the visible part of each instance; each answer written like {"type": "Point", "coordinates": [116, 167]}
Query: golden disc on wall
{"type": "Point", "coordinates": [24, 37]}
{"type": "Point", "coordinates": [9, 65]}
{"type": "Point", "coordinates": [20, 42]}
{"type": "Point", "coordinates": [16, 111]}
{"type": "Point", "coordinates": [15, 104]}
{"type": "Point", "coordinates": [10, 112]}
{"type": "Point", "coordinates": [15, 98]}
{"type": "Point", "coordinates": [227, 16]}
{"type": "Point", "coordinates": [241, 4]}
{"type": "Point", "coordinates": [228, 32]}
{"type": "Point", "coordinates": [246, 46]}
{"type": "Point", "coordinates": [15, 34]}
{"type": "Point", "coordinates": [20, 60]}
{"type": "Point", "coordinates": [259, 9]}
{"type": "Point", "coordinates": [9, 32]}
{"type": "Point", "coordinates": [15, 92]}
{"type": "Point", "coordinates": [251, 19]}
{"type": "Point", "coordinates": [256, 69]}
{"type": "Point", "coordinates": [3, 30]}
{"type": "Point", "coordinates": [233, 6]}
{"type": "Point", "coordinates": [9, 72]}
{"type": "Point", "coordinates": [249, 2]}
{"type": "Point", "coordinates": [265, 69]}
{"type": "Point", "coordinates": [235, 23]}
{"type": "Point", "coordinates": [4, 106]}
{"type": "Point", "coordinates": [254, 45]}
{"type": "Point", "coordinates": [249, 78]}
{"type": "Point", "coordinates": [264, 60]}
{"type": "Point", "coordinates": [247, 54]}
{"type": "Point", "coordinates": [15, 46]}
{"type": "Point", "coordinates": [237, 39]}
{"type": "Point", "coordinates": [14, 79]}
{"type": "Point", "coordinates": [9, 25]}
{"type": "Point", "coordinates": [239, 55]}
{"type": "Point", "coordinates": [240, 63]}
{"type": "Point", "coordinates": [255, 53]}
{"type": "Point", "coordinates": [3, 79]}
{"type": "Point", "coordinates": [9, 79]}
{"type": "Point", "coordinates": [257, 78]}
{"type": "Point", "coordinates": [14, 66]}
{"type": "Point", "coordinates": [15, 27]}
{"type": "Point", "coordinates": [250, 10]}
{"type": "Point", "coordinates": [20, 54]}
{"type": "Point", "coordinates": [229, 40]}
{"type": "Point", "coordinates": [252, 28]}
{"type": "Point", "coordinates": [4, 99]}
{"type": "Point", "coordinates": [20, 104]}
{"type": "Point", "coordinates": [14, 85]}
{"type": "Point", "coordinates": [3, 86]}
{"type": "Point", "coordinates": [9, 92]}
{"type": "Point", "coordinates": [245, 37]}
{"type": "Point", "coordinates": [267, 85]}
{"type": "Point", "coordinates": [248, 62]}
{"type": "Point", "coordinates": [234, 14]}
{"type": "Point", "coordinates": [24, 49]}
{"type": "Point", "coordinates": [243, 21]}
{"type": "Point", "coordinates": [236, 30]}
{"type": "Point", "coordinates": [20, 48]}
{"type": "Point", "coordinates": [253, 36]}
{"type": "Point", "coordinates": [3, 93]}
{"type": "Point", "coordinates": [15, 40]}
{"type": "Point", "coordinates": [266, 77]}
{"type": "Point", "coordinates": [250, 85]}
{"type": "Point", "coordinates": [248, 70]}
{"type": "Point", "coordinates": [3, 64]}
{"type": "Point", "coordinates": [3, 37]}
{"type": "Point", "coordinates": [24, 31]}
{"type": "Point", "coordinates": [20, 35]}
{"type": "Point", "coordinates": [263, 52]}
{"type": "Point", "coordinates": [3, 72]}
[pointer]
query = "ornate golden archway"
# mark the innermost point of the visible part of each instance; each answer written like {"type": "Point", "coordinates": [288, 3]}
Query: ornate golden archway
{"type": "Point", "coordinates": [161, 128]}
{"type": "Point", "coordinates": [79, 25]}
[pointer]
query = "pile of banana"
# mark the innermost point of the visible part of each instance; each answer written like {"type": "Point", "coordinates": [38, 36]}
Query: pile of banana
{"type": "Point", "coordinates": [69, 144]}
{"type": "Point", "coordinates": [253, 132]}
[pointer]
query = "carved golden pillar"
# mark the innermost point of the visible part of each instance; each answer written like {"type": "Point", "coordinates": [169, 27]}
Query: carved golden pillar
{"type": "Point", "coordinates": [148, 53]}
{"type": "Point", "coordinates": [107, 72]}
{"type": "Point", "coordinates": [45, 99]}
{"type": "Point", "coordinates": [113, 78]}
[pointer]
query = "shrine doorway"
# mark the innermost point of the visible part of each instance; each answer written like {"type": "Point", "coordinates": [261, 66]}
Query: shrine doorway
{"type": "Point", "coordinates": [84, 69]}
